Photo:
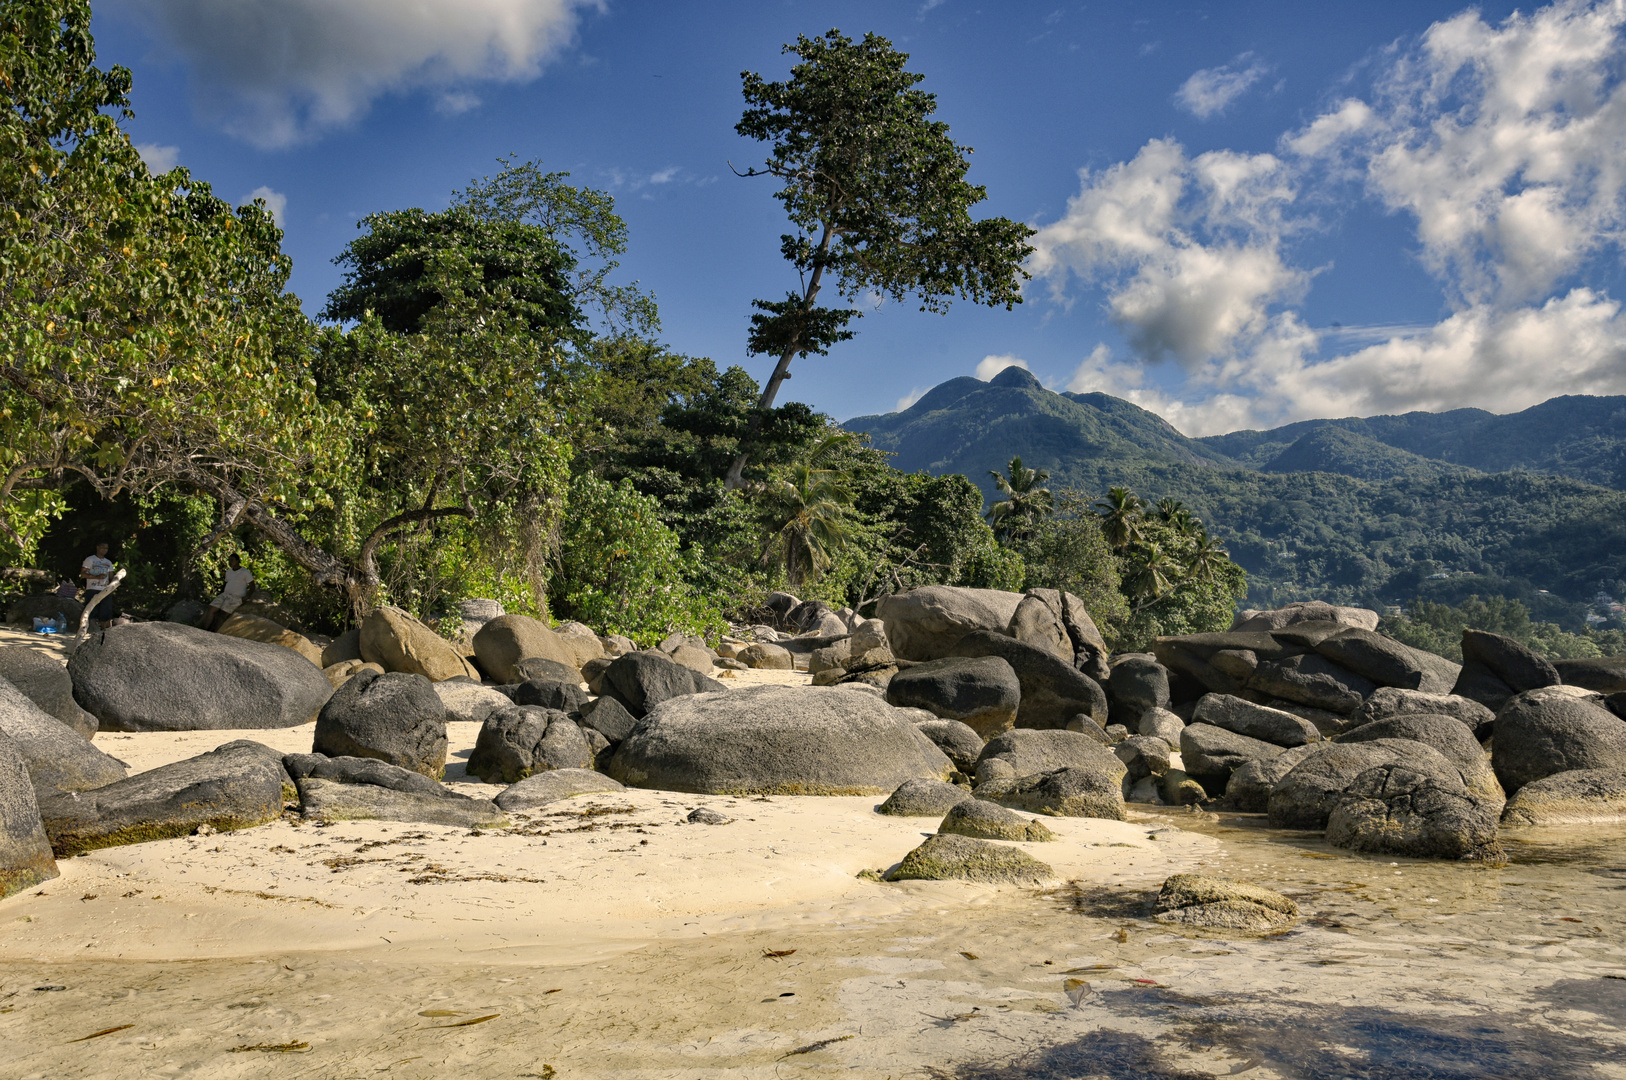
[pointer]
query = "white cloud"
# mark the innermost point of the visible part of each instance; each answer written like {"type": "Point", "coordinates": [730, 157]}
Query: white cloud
{"type": "Point", "coordinates": [456, 102]}
{"type": "Point", "coordinates": [275, 201]}
{"type": "Point", "coordinates": [1505, 144]}
{"type": "Point", "coordinates": [914, 395]}
{"type": "Point", "coordinates": [275, 72]}
{"type": "Point", "coordinates": [989, 366]}
{"type": "Point", "coordinates": [158, 159]}
{"type": "Point", "coordinates": [1189, 249]}
{"type": "Point", "coordinates": [665, 176]}
{"type": "Point", "coordinates": [1210, 90]}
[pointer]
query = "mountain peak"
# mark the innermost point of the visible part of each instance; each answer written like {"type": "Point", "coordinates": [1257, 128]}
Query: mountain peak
{"type": "Point", "coordinates": [1015, 378]}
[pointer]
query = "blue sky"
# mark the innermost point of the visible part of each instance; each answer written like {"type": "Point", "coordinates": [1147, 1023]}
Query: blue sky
{"type": "Point", "coordinates": [1249, 213]}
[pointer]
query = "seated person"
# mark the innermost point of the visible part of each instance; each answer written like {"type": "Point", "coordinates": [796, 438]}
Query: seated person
{"type": "Point", "coordinates": [238, 579]}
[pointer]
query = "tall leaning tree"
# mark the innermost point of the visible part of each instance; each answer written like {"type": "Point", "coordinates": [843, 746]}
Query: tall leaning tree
{"type": "Point", "coordinates": [877, 198]}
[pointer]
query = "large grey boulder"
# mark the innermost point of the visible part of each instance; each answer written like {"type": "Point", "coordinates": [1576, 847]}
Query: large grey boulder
{"type": "Point", "coordinates": [990, 821]}
{"type": "Point", "coordinates": [1143, 756]}
{"type": "Point", "coordinates": [1053, 692]}
{"type": "Point", "coordinates": [394, 717]}
{"type": "Point", "coordinates": [541, 788]}
{"type": "Point", "coordinates": [1211, 754]}
{"type": "Point", "coordinates": [25, 850]}
{"type": "Point", "coordinates": [1255, 721]}
{"type": "Point", "coordinates": [1211, 903]}
{"type": "Point", "coordinates": [59, 758]}
{"type": "Point", "coordinates": [506, 640]}
{"type": "Point", "coordinates": [945, 857]}
{"type": "Point", "coordinates": [1059, 623]}
{"type": "Point", "coordinates": [777, 740]}
{"type": "Point", "coordinates": [1024, 752]}
{"type": "Point", "coordinates": [1074, 791]}
{"type": "Point", "coordinates": [1577, 797]}
{"type": "Point", "coordinates": [1305, 797]}
{"type": "Point", "coordinates": [163, 676]}
{"type": "Point", "coordinates": [1552, 730]}
{"type": "Point", "coordinates": [1449, 736]}
{"type": "Point", "coordinates": [533, 668]}
{"type": "Point", "coordinates": [1161, 724]}
{"type": "Point", "coordinates": [642, 680]}
{"type": "Point", "coordinates": [926, 623]}
{"type": "Point", "coordinates": [468, 702]}
{"type": "Point", "coordinates": [44, 680]}
{"type": "Point", "coordinates": [1307, 611]}
{"type": "Point", "coordinates": [923, 798]}
{"type": "Point", "coordinates": [981, 692]}
{"type": "Point", "coordinates": [551, 694]}
{"type": "Point", "coordinates": [234, 786]}
{"type": "Point", "coordinates": [1495, 667]}
{"type": "Point", "coordinates": [1388, 662]}
{"type": "Point", "coordinates": [609, 718]}
{"type": "Point", "coordinates": [958, 741]}
{"type": "Point", "coordinates": [1387, 702]}
{"type": "Point", "coordinates": [1037, 623]}
{"type": "Point", "coordinates": [523, 739]}
{"type": "Point", "coordinates": [1600, 674]}
{"type": "Point", "coordinates": [1137, 684]}
{"type": "Point", "coordinates": [365, 789]}
{"type": "Point", "coordinates": [1248, 790]}
{"type": "Point", "coordinates": [1418, 808]}
{"type": "Point", "coordinates": [1312, 680]}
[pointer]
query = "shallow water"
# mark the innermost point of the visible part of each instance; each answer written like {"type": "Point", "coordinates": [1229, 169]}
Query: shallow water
{"type": "Point", "coordinates": [1399, 969]}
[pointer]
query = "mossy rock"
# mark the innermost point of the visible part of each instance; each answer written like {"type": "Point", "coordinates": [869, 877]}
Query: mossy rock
{"type": "Point", "coordinates": [988, 821]}
{"type": "Point", "coordinates": [947, 857]}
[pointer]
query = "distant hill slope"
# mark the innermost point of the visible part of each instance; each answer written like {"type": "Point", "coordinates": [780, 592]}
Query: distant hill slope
{"type": "Point", "coordinates": [1355, 510]}
{"type": "Point", "coordinates": [1576, 436]}
{"type": "Point", "coordinates": [969, 426]}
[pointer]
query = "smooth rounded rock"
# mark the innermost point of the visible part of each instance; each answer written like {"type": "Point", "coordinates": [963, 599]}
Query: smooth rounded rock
{"type": "Point", "coordinates": [45, 681]}
{"type": "Point", "coordinates": [990, 821]}
{"type": "Point", "coordinates": [981, 692]}
{"type": "Point", "coordinates": [946, 857]}
{"type": "Point", "coordinates": [540, 789]}
{"type": "Point", "coordinates": [1547, 731]}
{"type": "Point", "coordinates": [923, 798]}
{"type": "Point", "coordinates": [395, 717]}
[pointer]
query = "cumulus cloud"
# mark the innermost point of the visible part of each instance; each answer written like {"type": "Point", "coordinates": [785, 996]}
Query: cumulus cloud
{"type": "Point", "coordinates": [158, 159]}
{"type": "Point", "coordinates": [1209, 91]}
{"type": "Point", "coordinates": [275, 72]}
{"type": "Point", "coordinates": [989, 366]}
{"type": "Point", "coordinates": [1504, 144]}
{"type": "Point", "coordinates": [275, 201]}
{"type": "Point", "coordinates": [1188, 249]}
{"type": "Point", "coordinates": [914, 395]}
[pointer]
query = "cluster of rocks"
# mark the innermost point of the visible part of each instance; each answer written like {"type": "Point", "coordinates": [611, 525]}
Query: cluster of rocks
{"type": "Point", "coordinates": [972, 706]}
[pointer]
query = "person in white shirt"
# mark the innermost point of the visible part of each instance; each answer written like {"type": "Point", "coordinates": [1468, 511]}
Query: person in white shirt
{"type": "Point", "coordinates": [238, 579]}
{"type": "Point", "coordinates": [97, 570]}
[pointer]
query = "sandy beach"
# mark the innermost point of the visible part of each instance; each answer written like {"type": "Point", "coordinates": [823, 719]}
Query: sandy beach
{"type": "Point", "coordinates": [605, 935]}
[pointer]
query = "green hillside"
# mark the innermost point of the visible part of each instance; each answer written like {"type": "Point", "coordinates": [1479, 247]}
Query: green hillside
{"type": "Point", "coordinates": [1335, 510]}
{"type": "Point", "coordinates": [1576, 436]}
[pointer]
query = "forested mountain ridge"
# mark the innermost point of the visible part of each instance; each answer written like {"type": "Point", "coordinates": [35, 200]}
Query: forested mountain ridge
{"type": "Point", "coordinates": [1377, 510]}
{"type": "Point", "coordinates": [1574, 435]}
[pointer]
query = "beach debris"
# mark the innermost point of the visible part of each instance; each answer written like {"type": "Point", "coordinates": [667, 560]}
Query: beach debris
{"type": "Point", "coordinates": [969, 955]}
{"type": "Point", "coordinates": [471, 1022]}
{"type": "Point", "coordinates": [99, 1034]}
{"type": "Point", "coordinates": [441, 1012]}
{"type": "Point", "coordinates": [1076, 990]}
{"type": "Point", "coordinates": [777, 954]}
{"type": "Point", "coordinates": [815, 1047]}
{"type": "Point", "coordinates": [272, 1048]}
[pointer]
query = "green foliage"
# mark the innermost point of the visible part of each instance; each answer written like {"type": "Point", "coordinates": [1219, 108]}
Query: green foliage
{"type": "Point", "coordinates": [1025, 502]}
{"type": "Point", "coordinates": [401, 268]}
{"type": "Point", "coordinates": [1069, 551]}
{"type": "Point", "coordinates": [621, 571]}
{"type": "Point", "coordinates": [804, 509]}
{"type": "Point", "coordinates": [1437, 628]}
{"type": "Point", "coordinates": [582, 223]}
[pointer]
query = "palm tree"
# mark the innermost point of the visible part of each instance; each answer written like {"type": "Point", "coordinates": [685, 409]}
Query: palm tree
{"type": "Point", "coordinates": [1173, 512]}
{"type": "Point", "coordinates": [1121, 513]}
{"type": "Point", "coordinates": [804, 512]}
{"type": "Point", "coordinates": [1204, 562]}
{"type": "Point", "coordinates": [1155, 573]}
{"type": "Point", "coordinates": [1026, 500]}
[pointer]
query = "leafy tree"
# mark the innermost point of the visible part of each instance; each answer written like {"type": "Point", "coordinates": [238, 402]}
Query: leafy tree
{"type": "Point", "coordinates": [805, 509]}
{"type": "Point", "coordinates": [1026, 500]}
{"type": "Point", "coordinates": [1121, 514]}
{"type": "Point", "coordinates": [1438, 628]}
{"type": "Point", "coordinates": [876, 194]}
{"type": "Point", "coordinates": [1068, 550]}
{"type": "Point", "coordinates": [622, 571]}
{"type": "Point", "coordinates": [581, 223]}
{"type": "Point", "coordinates": [398, 269]}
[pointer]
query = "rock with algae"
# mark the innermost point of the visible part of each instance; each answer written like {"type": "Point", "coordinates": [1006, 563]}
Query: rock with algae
{"type": "Point", "coordinates": [1211, 903]}
{"type": "Point", "coordinates": [946, 857]}
{"type": "Point", "coordinates": [990, 821]}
